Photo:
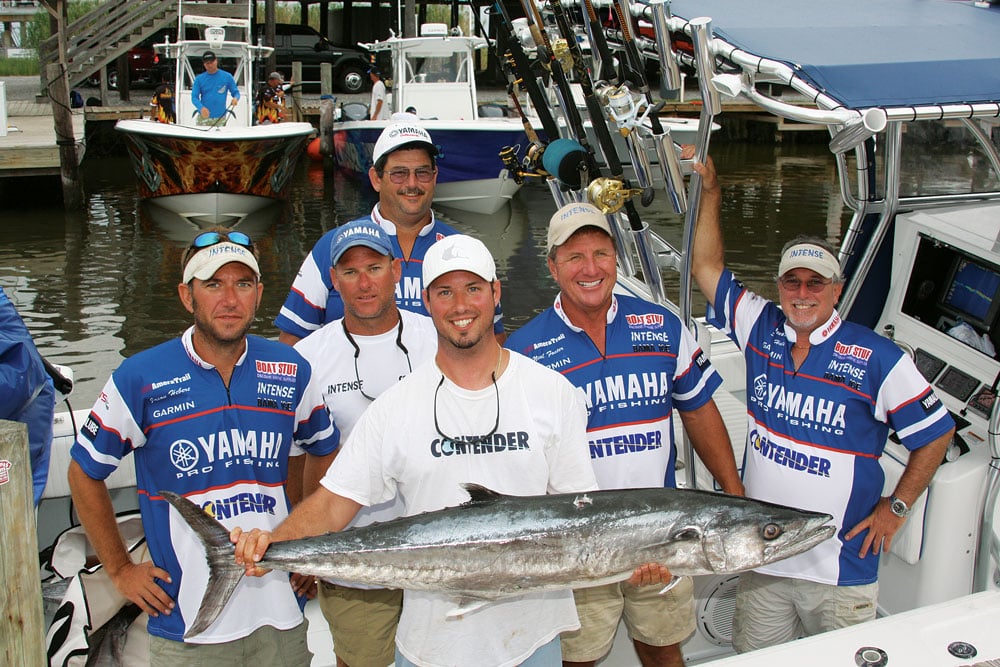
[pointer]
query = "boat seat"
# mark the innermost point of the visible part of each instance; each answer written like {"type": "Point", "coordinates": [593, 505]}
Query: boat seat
{"type": "Point", "coordinates": [63, 435]}
{"type": "Point", "coordinates": [908, 542]}
{"type": "Point", "coordinates": [492, 110]}
{"type": "Point", "coordinates": [354, 111]}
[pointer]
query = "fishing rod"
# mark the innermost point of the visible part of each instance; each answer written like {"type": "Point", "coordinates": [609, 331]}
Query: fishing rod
{"type": "Point", "coordinates": [521, 66]}
{"type": "Point", "coordinates": [604, 62]}
{"type": "Point", "coordinates": [557, 61]}
{"type": "Point", "coordinates": [614, 198]}
{"type": "Point", "coordinates": [594, 110]}
{"type": "Point", "coordinates": [542, 159]}
{"type": "Point", "coordinates": [630, 120]}
{"type": "Point", "coordinates": [637, 65]}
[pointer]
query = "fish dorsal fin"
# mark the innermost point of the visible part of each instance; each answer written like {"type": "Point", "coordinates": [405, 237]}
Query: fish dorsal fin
{"type": "Point", "coordinates": [479, 494]}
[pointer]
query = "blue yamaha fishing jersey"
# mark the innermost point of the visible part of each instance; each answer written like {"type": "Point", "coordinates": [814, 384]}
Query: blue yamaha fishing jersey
{"type": "Point", "coordinates": [651, 365]}
{"type": "Point", "coordinates": [815, 434]}
{"type": "Point", "coordinates": [312, 301]}
{"type": "Point", "coordinates": [225, 449]}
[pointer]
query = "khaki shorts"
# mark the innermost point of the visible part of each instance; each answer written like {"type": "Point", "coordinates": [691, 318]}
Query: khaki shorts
{"type": "Point", "coordinates": [774, 610]}
{"type": "Point", "coordinates": [362, 622]}
{"type": "Point", "coordinates": [264, 646]}
{"type": "Point", "coordinates": [651, 618]}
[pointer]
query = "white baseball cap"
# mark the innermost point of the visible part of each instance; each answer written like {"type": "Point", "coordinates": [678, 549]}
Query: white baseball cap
{"type": "Point", "coordinates": [571, 217]}
{"type": "Point", "coordinates": [458, 252]}
{"type": "Point", "coordinates": [204, 263]}
{"type": "Point", "coordinates": [397, 135]}
{"type": "Point", "coordinates": [809, 256]}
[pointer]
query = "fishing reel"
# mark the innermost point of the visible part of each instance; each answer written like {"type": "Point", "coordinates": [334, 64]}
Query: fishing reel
{"type": "Point", "coordinates": [510, 67]}
{"type": "Point", "coordinates": [563, 159]}
{"type": "Point", "coordinates": [609, 194]}
{"type": "Point", "coordinates": [561, 52]}
{"type": "Point", "coordinates": [624, 108]}
{"type": "Point", "coordinates": [518, 169]}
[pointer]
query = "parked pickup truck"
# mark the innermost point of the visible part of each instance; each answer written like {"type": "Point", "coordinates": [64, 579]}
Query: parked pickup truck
{"type": "Point", "coordinates": [301, 43]}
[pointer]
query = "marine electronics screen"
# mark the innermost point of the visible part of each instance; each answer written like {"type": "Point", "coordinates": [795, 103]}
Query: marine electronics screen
{"type": "Point", "coordinates": [972, 291]}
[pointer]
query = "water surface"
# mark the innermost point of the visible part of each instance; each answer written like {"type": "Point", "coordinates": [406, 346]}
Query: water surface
{"type": "Point", "coordinates": [99, 285]}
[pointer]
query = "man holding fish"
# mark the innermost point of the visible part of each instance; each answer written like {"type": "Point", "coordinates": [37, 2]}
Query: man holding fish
{"type": "Point", "coordinates": [479, 414]}
{"type": "Point", "coordinates": [214, 416]}
{"type": "Point", "coordinates": [822, 395]}
{"type": "Point", "coordinates": [636, 363]}
{"type": "Point", "coordinates": [356, 358]}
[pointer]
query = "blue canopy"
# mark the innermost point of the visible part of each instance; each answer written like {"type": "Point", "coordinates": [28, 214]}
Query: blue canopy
{"type": "Point", "coordinates": [868, 53]}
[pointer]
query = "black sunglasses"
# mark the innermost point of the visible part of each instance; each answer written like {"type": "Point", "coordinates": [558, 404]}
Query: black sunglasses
{"type": "Point", "coordinates": [357, 353]}
{"type": "Point", "coordinates": [472, 441]}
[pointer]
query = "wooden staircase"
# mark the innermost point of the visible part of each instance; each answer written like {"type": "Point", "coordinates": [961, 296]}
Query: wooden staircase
{"type": "Point", "coordinates": [101, 36]}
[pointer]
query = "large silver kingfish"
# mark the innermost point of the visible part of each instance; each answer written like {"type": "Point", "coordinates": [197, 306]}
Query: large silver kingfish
{"type": "Point", "coordinates": [496, 546]}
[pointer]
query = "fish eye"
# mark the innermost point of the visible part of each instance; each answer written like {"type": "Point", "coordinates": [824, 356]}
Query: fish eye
{"type": "Point", "coordinates": [771, 531]}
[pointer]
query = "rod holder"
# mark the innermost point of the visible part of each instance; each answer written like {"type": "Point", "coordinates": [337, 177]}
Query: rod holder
{"type": "Point", "coordinates": [650, 267]}
{"type": "Point", "coordinates": [701, 37]}
{"type": "Point", "coordinates": [669, 71]}
{"type": "Point", "coordinates": [623, 242]}
{"type": "Point", "coordinates": [852, 135]}
{"type": "Point", "coordinates": [670, 167]}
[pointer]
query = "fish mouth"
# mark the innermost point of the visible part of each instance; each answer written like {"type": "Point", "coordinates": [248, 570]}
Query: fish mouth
{"type": "Point", "coordinates": [801, 540]}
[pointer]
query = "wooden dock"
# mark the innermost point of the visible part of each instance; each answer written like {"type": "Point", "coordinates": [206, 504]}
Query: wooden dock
{"type": "Point", "coordinates": [30, 148]}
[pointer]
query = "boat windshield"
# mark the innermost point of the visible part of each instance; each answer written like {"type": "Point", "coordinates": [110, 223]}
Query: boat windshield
{"type": "Point", "coordinates": [928, 169]}
{"type": "Point", "coordinates": [436, 69]}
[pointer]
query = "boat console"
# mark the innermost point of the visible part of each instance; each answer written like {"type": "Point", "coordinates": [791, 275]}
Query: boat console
{"type": "Point", "coordinates": [944, 308]}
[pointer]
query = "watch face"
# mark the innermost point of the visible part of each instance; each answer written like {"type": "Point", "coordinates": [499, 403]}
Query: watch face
{"type": "Point", "coordinates": [898, 507]}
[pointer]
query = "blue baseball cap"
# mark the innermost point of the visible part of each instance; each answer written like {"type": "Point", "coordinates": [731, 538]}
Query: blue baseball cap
{"type": "Point", "coordinates": [359, 233]}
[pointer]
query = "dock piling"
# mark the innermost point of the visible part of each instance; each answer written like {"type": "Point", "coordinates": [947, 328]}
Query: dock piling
{"type": "Point", "coordinates": [22, 625]}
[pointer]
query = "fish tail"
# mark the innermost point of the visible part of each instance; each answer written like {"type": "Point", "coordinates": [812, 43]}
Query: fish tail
{"type": "Point", "coordinates": [224, 573]}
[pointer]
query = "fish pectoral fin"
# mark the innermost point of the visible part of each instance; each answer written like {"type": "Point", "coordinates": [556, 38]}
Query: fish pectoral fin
{"type": "Point", "coordinates": [466, 605]}
{"type": "Point", "coordinates": [714, 549]}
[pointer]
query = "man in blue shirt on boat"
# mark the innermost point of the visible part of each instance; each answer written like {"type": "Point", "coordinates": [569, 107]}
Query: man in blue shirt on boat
{"type": "Point", "coordinates": [404, 173]}
{"type": "Point", "coordinates": [209, 92]}
{"type": "Point", "coordinates": [635, 363]}
{"type": "Point", "coordinates": [822, 396]}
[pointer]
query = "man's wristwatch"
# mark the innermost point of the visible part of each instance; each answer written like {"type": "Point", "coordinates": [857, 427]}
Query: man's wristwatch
{"type": "Point", "coordinates": [898, 507]}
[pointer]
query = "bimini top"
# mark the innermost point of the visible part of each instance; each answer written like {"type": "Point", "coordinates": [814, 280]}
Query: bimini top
{"type": "Point", "coordinates": [869, 53]}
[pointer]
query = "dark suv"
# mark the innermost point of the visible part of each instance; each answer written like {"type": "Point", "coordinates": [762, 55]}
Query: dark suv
{"type": "Point", "coordinates": [301, 43]}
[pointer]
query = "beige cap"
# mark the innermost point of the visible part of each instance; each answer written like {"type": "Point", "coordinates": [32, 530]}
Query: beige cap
{"type": "Point", "coordinates": [571, 217]}
{"type": "Point", "coordinates": [204, 263]}
{"type": "Point", "coordinates": [809, 256]}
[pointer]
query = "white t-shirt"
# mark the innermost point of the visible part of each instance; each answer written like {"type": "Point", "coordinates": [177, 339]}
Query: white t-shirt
{"type": "Point", "coordinates": [380, 363]}
{"type": "Point", "coordinates": [378, 95]}
{"type": "Point", "coordinates": [539, 446]}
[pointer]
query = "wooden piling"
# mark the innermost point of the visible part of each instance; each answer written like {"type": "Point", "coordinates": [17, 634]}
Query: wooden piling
{"type": "Point", "coordinates": [22, 624]}
{"type": "Point", "coordinates": [326, 111]}
{"type": "Point", "coordinates": [69, 163]}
